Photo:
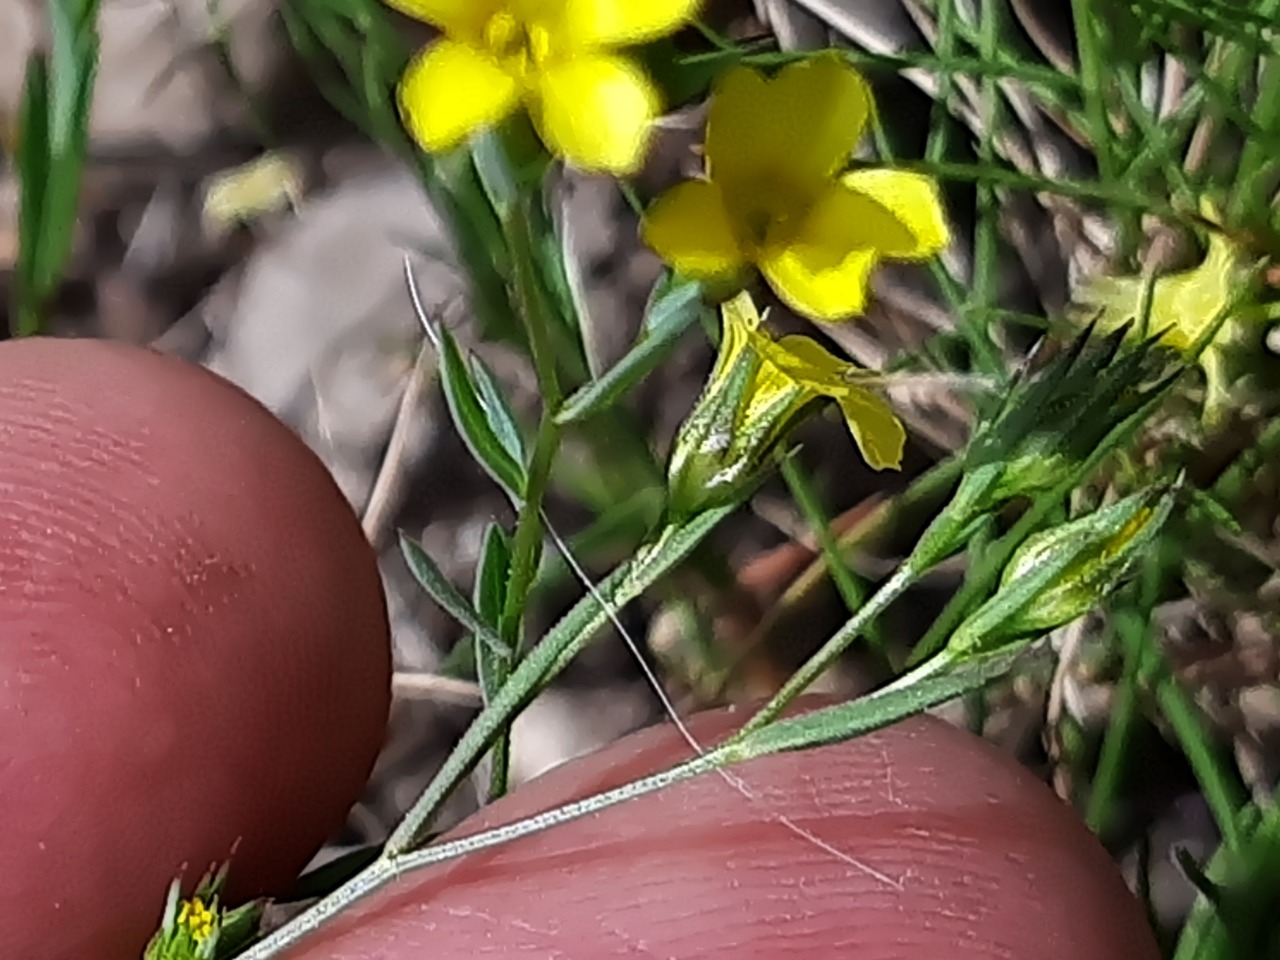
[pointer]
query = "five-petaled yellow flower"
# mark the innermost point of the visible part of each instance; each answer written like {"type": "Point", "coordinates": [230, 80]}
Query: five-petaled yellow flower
{"type": "Point", "coordinates": [591, 105]}
{"type": "Point", "coordinates": [757, 391]}
{"type": "Point", "coordinates": [775, 196]}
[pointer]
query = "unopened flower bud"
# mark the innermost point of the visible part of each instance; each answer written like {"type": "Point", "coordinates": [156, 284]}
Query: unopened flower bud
{"type": "Point", "coordinates": [1062, 573]}
{"type": "Point", "coordinates": [757, 391]}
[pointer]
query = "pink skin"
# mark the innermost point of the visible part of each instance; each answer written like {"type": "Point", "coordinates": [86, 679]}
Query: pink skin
{"type": "Point", "coordinates": [946, 851]}
{"type": "Point", "coordinates": [193, 645]}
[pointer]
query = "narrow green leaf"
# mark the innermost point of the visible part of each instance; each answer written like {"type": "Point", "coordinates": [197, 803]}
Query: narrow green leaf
{"type": "Point", "coordinates": [33, 169]}
{"type": "Point", "coordinates": [1223, 791]}
{"type": "Point", "coordinates": [432, 579]}
{"type": "Point", "coordinates": [494, 171]}
{"type": "Point", "coordinates": [471, 418]}
{"type": "Point", "coordinates": [54, 127]}
{"type": "Point", "coordinates": [853, 591]}
{"type": "Point", "coordinates": [498, 412]}
{"type": "Point", "coordinates": [493, 663]}
{"type": "Point", "coordinates": [1237, 920]}
{"type": "Point", "coordinates": [674, 307]}
{"type": "Point", "coordinates": [1256, 176]}
{"type": "Point", "coordinates": [929, 685]}
{"type": "Point", "coordinates": [1216, 511]}
{"type": "Point", "coordinates": [493, 667]}
{"type": "Point", "coordinates": [545, 241]}
{"type": "Point", "coordinates": [550, 656]}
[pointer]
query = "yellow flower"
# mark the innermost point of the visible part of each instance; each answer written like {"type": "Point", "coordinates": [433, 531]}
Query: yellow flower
{"type": "Point", "coordinates": [774, 195]}
{"type": "Point", "coordinates": [1184, 303]}
{"type": "Point", "coordinates": [1183, 307]}
{"type": "Point", "coordinates": [198, 918]}
{"type": "Point", "coordinates": [757, 390]}
{"type": "Point", "coordinates": [556, 57]}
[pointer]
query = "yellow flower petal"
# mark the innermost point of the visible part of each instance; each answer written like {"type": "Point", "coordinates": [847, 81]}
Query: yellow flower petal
{"type": "Point", "coordinates": [460, 18]}
{"type": "Point", "coordinates": [842, 220]}
{"type": "Point", "coordinates": [821, 270]}
{"type": "Point", "coordinates": [800, 126]}
{"type": "Point", "coordinates": [811, 284]}
{"type": "Point", "coordinates": [689, 229]}
{"type": "Point", "coordinates": [772, 397]}
{"type": "Point", "coordinates": [807, 361]}
{"type": "Point", "coordinates": [596, 112]}
{"type": "Point", "coordinates": [600, 23]}
{"type": "Point", "coordinates": [876, 429]}
{"type": "Point", "coordinates": [452, 90]}
{"type": "Point", "coordinates": [739, 320]}
{"type": "Point", "coordinates": [912, 198]}
{"type": "Point", "coordinates": [740, 314]}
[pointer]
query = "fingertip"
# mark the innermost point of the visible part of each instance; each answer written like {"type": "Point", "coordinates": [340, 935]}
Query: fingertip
{"type": "Point", "coordinates": [918, 840]}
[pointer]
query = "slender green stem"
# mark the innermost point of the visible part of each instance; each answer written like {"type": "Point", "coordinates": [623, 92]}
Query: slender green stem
{"type": "Point", "coordinates": [1088, 26]}
{"type": "Point", "coordinates": [925, 687]}
{"type": "Point", "coordinates": [986, 254]}
{"type": "Point", "coordinates": [1223, 796]}
{"type": "Point", "coordinates": [390, 868]}
{"type": "Point", "coordinates": [1232, 482]}
{"type": "Point", "coordinates": [1255, 175]}
{"type": "Point", "coordinates": [532, 298]}
{"type": "Point", "coordinates": [852, 591]}
{"type": "Point", "coordinates": [827, 654]}
{"type": "Point", "coordinates": [1115, 744]}
{"type": "Point", "coordinates": [526, 547]}
{"type": "Point", "coordinates": [526, 555]}
{"type": "Point", "coordinates": [976, 586]}
{"type": "Point", "coordinates": [1121, 195]}
{"type": "Point", "coordinates": [550, 655]}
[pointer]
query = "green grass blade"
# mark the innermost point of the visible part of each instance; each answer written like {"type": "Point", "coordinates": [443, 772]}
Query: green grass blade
{"type": "Point", "coordinates": [54, 132]}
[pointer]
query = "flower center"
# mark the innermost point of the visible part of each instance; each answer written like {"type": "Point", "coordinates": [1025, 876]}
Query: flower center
{"type": "Point", "coordinates": [197, 918]}
{"type": "Point", "coordinates": [772, 213]}
{"type": "Point", "coordinates": [520, 47]}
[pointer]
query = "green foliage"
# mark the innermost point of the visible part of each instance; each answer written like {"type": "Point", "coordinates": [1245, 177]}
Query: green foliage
{"type": "Point", "coordinates": [199, 927]}
{"type": "Point", "coordinates": [53, 138]}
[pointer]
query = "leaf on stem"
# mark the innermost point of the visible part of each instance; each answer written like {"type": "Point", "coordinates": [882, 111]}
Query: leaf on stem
{"type": "Point", "coordinates": [493, 663]}
{"type": "Point", "coordinates": [432, 579]}
{"type": "Point", "coordinates": [482, 418]}
{"type": "Point", "coordinates": [674, 306]}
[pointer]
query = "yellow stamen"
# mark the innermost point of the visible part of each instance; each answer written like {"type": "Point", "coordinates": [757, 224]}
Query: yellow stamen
{"type": "Point", "coordinates": [519, 46]}
{"type": "Point", "coordinates": [198, 918]}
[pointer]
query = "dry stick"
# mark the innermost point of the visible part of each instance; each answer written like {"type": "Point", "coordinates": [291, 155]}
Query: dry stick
{"type": "Point", "coordinates": [389, 484]}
